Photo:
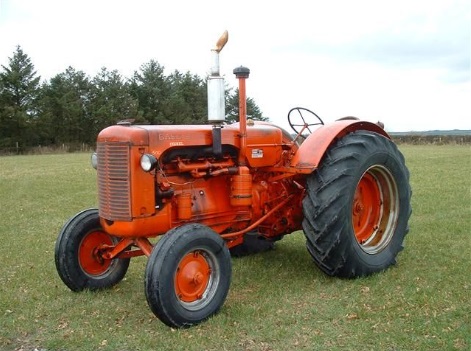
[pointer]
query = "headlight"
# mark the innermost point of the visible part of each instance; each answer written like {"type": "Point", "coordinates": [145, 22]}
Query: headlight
{"type": "Point", "coordinates": [148, 162]}
{"type": "Point", "coordinates": [94, 160]}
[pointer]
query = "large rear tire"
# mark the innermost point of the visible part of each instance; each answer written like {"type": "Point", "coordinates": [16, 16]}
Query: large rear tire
{"type": "Point", "coordinates": [188, 275]}
{"type": "Point", "coordinates": [77, 254]}
{"type": "Point", "coordinates": [357, 206]}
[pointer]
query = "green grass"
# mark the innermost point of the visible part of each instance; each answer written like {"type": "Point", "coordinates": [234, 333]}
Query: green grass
{"type": "Point", "coordinates": [278, 300]}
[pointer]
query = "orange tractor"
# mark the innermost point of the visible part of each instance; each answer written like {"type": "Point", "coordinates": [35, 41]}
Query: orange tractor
{"type": "Point", "coordinates": [207, 190]}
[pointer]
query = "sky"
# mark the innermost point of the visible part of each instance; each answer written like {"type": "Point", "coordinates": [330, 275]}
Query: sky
{"type": "Point", "coordinates": [405, 63]}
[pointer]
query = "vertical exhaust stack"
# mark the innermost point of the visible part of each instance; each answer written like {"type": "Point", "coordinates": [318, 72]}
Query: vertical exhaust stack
{"type": "Point", "coordinates": [242, 73]}
{"type": "Point", "coordinates": [241, 183]}
{"type": "Point", "coordinates": [216, 95]}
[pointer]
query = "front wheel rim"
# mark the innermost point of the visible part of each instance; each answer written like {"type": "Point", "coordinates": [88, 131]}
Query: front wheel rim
{"type": "Point", "coordinates": [375, 209]}
{"type": "Point", "coordinates": [89, 256]}
{"type": "Point", "coordinates": [196, 279]}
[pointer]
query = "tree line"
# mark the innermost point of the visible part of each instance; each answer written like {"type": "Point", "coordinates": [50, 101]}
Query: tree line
{"type": "Point", "coordinates": [72, 108]}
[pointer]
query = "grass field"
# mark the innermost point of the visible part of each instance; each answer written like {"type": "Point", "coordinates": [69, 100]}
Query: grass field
{"type": "Point", "coordinates": [278, 300]}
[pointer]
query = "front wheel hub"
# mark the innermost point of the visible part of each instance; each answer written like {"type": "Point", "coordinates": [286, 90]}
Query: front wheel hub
{"type": "Point", "coordinates": [192, 277]}
{"type": "Point", "coordinates": [89, 253]}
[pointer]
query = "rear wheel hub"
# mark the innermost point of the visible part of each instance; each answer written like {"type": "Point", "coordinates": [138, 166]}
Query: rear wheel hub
{"type": "Point", "coordinates": [375, 209]}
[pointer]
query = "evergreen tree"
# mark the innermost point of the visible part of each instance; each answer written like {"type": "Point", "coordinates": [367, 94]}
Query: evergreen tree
{"type": "Point", "coordinates": [151, 88]}
{"type": "Point", "coordinates": [19, 91]}
{"type": "Point", "coordinates": [65, 109]}
{"type": "Point", "coordinates": [111, 101]}
{"type": "Point", "coordinates": [188, 100]}
{"type": "Point", "coordinates": [71, 108]}
{"type": "Point", "coordinates": [232, 108]}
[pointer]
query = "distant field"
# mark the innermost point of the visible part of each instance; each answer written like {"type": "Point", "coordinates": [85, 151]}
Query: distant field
{"type": "Point", "coordinates": [278, 300]}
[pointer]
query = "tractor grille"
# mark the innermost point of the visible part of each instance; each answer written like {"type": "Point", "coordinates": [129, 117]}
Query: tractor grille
{"type": "Point", "coordinates": [114, 193]}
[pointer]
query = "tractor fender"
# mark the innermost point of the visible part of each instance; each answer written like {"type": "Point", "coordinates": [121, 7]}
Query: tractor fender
{"type": "Point", "coordinates": [311, 151]}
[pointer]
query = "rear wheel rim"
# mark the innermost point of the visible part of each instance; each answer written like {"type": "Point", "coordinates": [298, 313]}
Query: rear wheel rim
{"type": "Point", "coordinates": [375, 209]}
{"type": "Point", "coordinates": [196, 279]}
{"type": "Point", "coordinates": [89, 256]}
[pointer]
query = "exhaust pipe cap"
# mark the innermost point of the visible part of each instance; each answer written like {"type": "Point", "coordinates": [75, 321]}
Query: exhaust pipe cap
{"type": "Point", "coordinates": [241, 72]}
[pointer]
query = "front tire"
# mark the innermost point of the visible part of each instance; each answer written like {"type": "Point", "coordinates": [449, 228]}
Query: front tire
{"type": "Point", "coordinates": [77, 258]}
{"type": "Point", "coordinates": [357, 206]}
{"type": "Point", "coordinates": [188, 275]}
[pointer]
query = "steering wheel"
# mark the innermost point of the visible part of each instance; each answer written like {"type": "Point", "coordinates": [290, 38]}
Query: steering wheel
{"type": "Point", "coordinates": [298, 123]}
